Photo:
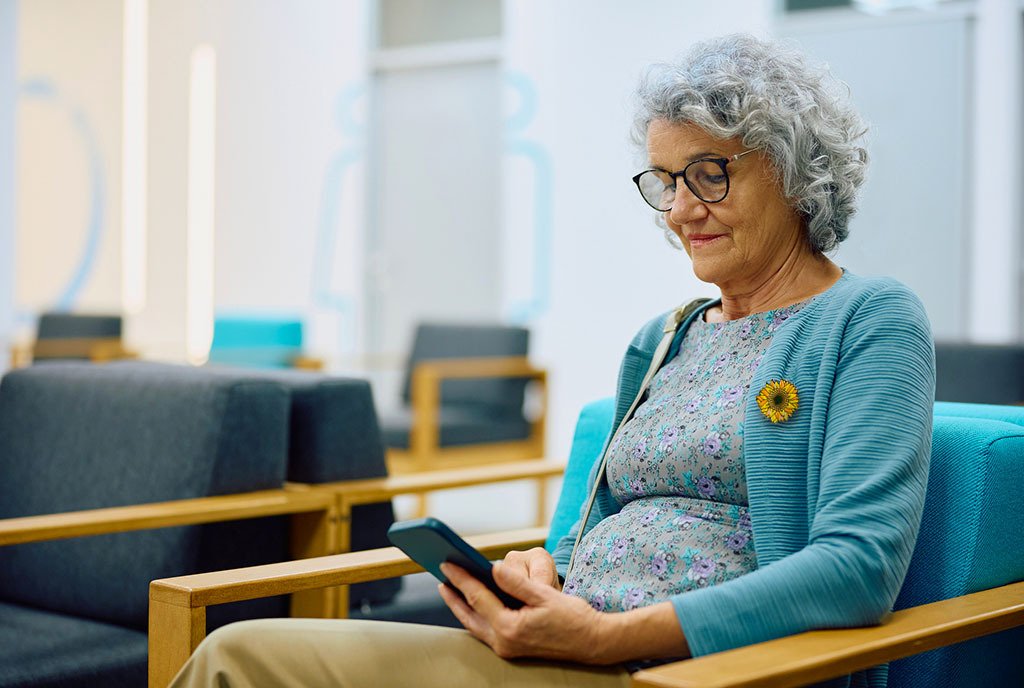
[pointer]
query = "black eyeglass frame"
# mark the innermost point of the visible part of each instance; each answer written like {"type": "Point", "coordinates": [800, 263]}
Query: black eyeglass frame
{"type": "Point", "coordinates": [721, 162]}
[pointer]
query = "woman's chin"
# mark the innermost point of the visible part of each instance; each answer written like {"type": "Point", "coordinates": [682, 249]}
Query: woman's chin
{"type": "Point", "coordinates": [706, 271]}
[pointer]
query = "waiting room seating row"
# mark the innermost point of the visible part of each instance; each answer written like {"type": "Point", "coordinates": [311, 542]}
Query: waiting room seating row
{"type": "Point", "coordinates": [171, 470]}
{"type": "Point", "coordinates": [964, 592]}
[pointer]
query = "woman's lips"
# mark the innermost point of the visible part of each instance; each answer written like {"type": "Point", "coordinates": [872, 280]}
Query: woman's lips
{"type": "Point", "coordinates": [698, 240]}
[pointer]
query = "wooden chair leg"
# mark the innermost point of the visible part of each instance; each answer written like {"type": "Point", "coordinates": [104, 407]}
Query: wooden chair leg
{"type": "Point", "coordinates": [421, 506]}
{"type": "Point", "coordinates": [314, 535]}
{"type": "Point", "coordinates": [180, 629]}
{"type": "Point", "coordinates": [542, 502]}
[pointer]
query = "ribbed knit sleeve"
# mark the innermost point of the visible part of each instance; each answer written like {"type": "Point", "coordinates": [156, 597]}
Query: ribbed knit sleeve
{"type": "Point", "coordinates": [866, 468]}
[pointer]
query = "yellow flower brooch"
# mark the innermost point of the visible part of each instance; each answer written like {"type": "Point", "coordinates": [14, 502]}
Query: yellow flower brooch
{"type": "Point", "coordinates": [778, 400]}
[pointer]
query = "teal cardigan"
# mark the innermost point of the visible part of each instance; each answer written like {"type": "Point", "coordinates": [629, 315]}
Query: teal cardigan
{"type": "Point", "coordinates": [835, 492]}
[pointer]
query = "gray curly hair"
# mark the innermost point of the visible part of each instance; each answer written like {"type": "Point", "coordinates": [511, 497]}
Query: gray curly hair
{"type": "Point", "coordinates": [766, 93]}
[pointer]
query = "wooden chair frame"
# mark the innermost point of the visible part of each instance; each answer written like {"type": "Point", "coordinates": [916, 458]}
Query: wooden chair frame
{"type": "Point", "coordinates": [425, 452]}
{"type": "Point", "coordinates": [95, 349]}
{"type": "Point", "coordinates": [320, 525]}
{"type": "Point", "coordinates": [783, 663]}
{"type": "Point", "coordinates": [352, 493]}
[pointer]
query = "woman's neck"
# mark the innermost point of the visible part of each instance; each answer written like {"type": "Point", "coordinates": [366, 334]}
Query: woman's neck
{"type": "Point", "coordinates": [805, 275]}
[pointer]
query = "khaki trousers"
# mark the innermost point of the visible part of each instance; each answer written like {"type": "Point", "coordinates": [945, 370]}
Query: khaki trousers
{"type": "Point", "coordinates": [350, 654]}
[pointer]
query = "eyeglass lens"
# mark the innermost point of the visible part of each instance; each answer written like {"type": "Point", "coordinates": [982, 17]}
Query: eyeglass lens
{"type": "Point", "coordinates": [707, 179]}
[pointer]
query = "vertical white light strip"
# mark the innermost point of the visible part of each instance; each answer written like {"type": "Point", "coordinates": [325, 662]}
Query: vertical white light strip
{"type": "Point", "coordinates": [202, 116]}
{"type": "Point", "coordinates": [995, 272]}
{"type": "Point", "coordinates": [134, 133]}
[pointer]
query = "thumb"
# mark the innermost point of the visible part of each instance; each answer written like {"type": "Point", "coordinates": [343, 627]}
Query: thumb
{"type": "Point", "coordinates": [519, 586]}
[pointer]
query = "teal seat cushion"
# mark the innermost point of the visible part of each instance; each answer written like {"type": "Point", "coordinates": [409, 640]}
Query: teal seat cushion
{"type": "Point", "coordinates": [970, 532]}
{"type": "Point", "coordinates": [592, 430]}
{"type": "Point", "coordinates": [1007, 414]}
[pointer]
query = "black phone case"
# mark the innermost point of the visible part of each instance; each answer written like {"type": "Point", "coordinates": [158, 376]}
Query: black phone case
{"type": "Point", "coordinates": [430, 543]}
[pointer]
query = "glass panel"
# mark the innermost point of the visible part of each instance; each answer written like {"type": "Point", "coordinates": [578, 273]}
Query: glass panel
{"type": "Point", "coordinates": [801, 5]}
{"type": "Point", "coordinates": [414, 22]}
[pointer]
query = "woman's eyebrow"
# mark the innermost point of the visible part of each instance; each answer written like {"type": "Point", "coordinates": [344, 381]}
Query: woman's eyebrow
{"type": "Point", "coordinates": [698, 156]}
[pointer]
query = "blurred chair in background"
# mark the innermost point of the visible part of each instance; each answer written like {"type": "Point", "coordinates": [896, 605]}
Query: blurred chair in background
{"type": "Point", "coordinates": [465, 402]}
{"type": "Point", "coordinates": [63, 336]}
{"type": "Point", "coordinates": [979, 373]}
{"type": "Point", "coordinates": [258, 341]}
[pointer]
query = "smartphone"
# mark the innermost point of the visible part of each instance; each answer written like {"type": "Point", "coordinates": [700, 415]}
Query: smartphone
{"type": "Point", "coordinates": [430, 543]}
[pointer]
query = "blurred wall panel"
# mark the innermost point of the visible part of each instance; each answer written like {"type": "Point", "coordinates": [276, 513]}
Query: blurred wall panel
{"type": "Point", "coordinates": [8, 95]}
{"type": "Point", "coordinates": [68, 154]}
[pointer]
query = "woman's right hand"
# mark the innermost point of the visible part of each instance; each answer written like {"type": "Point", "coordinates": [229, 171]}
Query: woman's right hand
{"type": "Point", "coordinates": [536, 564]}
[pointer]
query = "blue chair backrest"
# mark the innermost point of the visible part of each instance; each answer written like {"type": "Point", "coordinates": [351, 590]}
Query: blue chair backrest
{"type": "Point", "coordinates": [256, 341]}
{"type": "Point", "coordinates": [970, 531]}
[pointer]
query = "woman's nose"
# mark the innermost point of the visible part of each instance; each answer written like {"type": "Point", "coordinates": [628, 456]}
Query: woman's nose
{"type": "Point", "coordinates": [686, 207]}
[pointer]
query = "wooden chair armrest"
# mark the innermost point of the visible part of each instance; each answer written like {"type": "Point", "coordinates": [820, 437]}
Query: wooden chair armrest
{"type": "Point", "coordinates": [21, 354]}
{"type": "Point", "coordinates": [306, 362]}
{"type": "Point", "coordinates": [819, 655]}
{"type": "Point", "coordinates": [177, 606]}
{"type": "Point", "coordinates": [268, 580]}
{"type": "Point", "coordinates": [484, 367]}
{"type": "Point", "coordinates": [372, 490]}
{"type": "Point", "coordinates": [162, 514]}
{"type": "Point", "coordinates": [425, 393]}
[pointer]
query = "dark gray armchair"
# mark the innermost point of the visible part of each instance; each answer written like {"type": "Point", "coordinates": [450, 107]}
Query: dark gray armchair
{"type": "Point", "coordinates": [463, 402]}
{"type": "Point", "coordinates": [79, 445]}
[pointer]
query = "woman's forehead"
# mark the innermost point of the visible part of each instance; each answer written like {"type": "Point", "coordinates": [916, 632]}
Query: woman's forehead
{"type": "Point", "coordinates": [673, 142]}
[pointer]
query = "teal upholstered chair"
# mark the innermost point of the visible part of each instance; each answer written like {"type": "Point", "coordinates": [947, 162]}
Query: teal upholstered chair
{"type": "Point", "coordinates": [260, 341]}
{"type": "Point", "coordinates": [970, 536]}
{"type": "Point", "coordinates": [969, 542]}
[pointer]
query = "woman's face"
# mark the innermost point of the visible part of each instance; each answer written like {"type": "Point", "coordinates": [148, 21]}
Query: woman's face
{"type": "Point", "coordinates": [743, 239]}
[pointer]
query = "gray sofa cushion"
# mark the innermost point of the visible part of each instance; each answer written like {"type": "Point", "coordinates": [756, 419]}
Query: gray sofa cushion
{"type": "Point", "coordinates": [45, 650]}
{"type": "Point", "coordinates": [333, 436]}
{"type": "Point", "coordinates": [77, 436]}
{"type": "Point", "coordinates": [459, 426]}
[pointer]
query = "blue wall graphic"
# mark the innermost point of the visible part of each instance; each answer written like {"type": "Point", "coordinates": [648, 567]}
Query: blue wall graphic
{"type": "Point", "coordinates": [543, 180]}
{"type": "Point", "coordinates": [331, 195]}
{"type": "Point", "coordinates": [45, 91]}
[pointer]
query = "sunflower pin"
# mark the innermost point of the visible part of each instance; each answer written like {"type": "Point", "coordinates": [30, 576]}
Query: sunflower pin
{"type": "Point", "coordinates": [778, 400]}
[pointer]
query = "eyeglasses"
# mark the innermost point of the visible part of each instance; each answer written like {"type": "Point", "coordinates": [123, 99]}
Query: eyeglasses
{"type": "Point", "coordinates": [707, 178]}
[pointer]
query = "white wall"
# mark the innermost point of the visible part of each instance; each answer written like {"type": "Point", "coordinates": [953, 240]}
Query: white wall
{"type": "Point", "coordinates": [8, 95]}
{"type": "Point", "coordinates": [68, 154]}
{"type": "Point", "coordinates": [611, 269]}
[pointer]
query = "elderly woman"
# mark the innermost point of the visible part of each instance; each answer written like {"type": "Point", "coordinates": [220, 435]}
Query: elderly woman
{"type": "Point", "coordinates": [768, 468]}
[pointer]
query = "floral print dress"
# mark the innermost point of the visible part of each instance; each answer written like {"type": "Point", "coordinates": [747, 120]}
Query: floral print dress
{"type": "Point", "coordinates": [677, 469]}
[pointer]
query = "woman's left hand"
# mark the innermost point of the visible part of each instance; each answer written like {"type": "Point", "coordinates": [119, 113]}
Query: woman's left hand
{"type": "Point", "coordinates": [551, 625]}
